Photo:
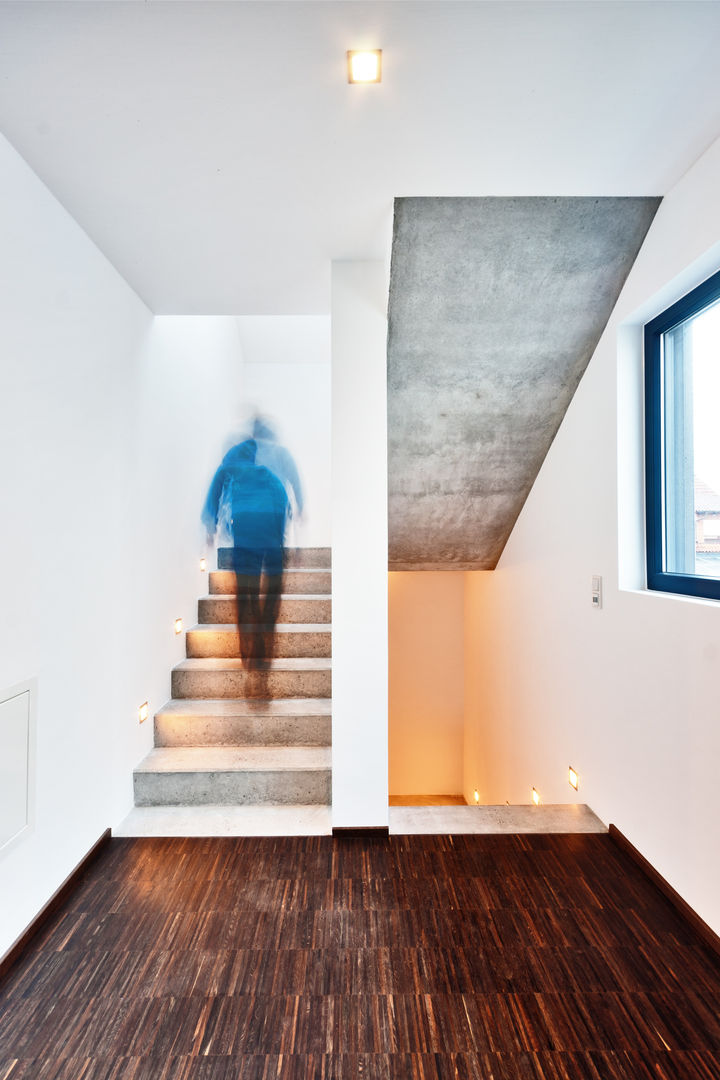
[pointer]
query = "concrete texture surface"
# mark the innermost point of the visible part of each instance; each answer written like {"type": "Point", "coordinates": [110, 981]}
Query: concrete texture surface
{"type": "Point", "coordinates": [557, 818]}
{"type": "Point", "coordinates": [290, 639]}
{"type": "Point", "coordinates": [293, 609]}
{"type": "Point", "coordinates": [233, 776]}
{"type": "Point", "coordinates": [496, 306]}
{"type": "Point", "coordinates": [267, 820]}
{"type": "Point", "coordinates": [224, 722]}
{"type": "Point", "coordinates": [309, 677]}
{"type": "Point", "coordinates": [294, 581]}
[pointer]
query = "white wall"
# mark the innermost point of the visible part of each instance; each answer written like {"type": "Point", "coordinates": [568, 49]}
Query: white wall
{"type": "Point", "coordinates": [628, 694]}
{"type": "Point", "coordinates": [426, 691]}
{"type": "Point", "coordinates": [359, 530]}
{"type": "Point", "coordinates": [111, 426]}
{"type": "Point", "coordinates": [69, 327]}
{"type": "Point", "coordinates": [286, 377]}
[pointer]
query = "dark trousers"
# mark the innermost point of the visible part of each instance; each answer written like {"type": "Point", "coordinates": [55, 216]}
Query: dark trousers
{"type": "Point", "coordinates": [258, 577]}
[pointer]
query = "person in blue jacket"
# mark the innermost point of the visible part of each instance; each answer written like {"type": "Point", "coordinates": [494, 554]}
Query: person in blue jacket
{"type": "Point", "coordinates": [259, 506]}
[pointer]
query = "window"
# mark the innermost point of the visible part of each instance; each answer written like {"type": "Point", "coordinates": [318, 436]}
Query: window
{"type": "Point", "coordinates": [682, 444]}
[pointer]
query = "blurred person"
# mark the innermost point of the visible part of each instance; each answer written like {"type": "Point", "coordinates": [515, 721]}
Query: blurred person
{"type": "Point", "coordinates": [273, 456]}
{"type": "Point", "coordinates": [258, 505]}
{"type": "Point", "coordinates": [278, 460]}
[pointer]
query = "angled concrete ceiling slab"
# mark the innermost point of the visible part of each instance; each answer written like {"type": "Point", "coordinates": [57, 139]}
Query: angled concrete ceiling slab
{"type": "Point", "coordinates": [496, 307]}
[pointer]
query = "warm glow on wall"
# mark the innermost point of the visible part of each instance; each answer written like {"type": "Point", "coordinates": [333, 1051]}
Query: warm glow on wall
{"type": "Point", "coordinates": [535, 796]}
{"type": "Point", "coordinates": [573, 779]}
{"type": "Point", "coordinates": [477, 795]}
{"type": "Point", "coordinates": [143, 712]}
{"type": "Point", "coordinates": [364, 66]}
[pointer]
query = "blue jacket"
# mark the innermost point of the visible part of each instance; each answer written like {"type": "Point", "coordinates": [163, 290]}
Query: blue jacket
{"type": "Point", "coordinates": [257, 499]}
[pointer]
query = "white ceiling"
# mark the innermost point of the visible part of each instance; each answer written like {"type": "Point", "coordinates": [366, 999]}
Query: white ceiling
{"type": "Point", "coordinates": [217, 155]}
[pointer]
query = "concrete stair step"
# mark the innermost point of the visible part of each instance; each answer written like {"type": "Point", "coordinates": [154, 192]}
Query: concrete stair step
{"type": "Point", "coordinates": [290, 639]}
{"type": "Point", "coordinates": [293, 609]}
{"type": "Point", "coordinates": [295, 581]}
{"type": "Point", "coordinates": [237, 776]}
{"type": "Point", "coordinates": [224, 722]}
{"type": "Point", "coordinates": [267, 819]}
{"type": "Point", "coordinates": [308, 558]}
{"type": "Point", "coordinates": [308, 677]}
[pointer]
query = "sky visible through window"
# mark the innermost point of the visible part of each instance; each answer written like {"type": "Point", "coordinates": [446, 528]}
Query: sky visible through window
{"type": "Point", "coordinates": [706, 439]}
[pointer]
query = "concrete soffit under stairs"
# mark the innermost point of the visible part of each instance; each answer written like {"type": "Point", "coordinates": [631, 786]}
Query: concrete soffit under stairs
{"type": "Point", "coordinates": [496, 307]}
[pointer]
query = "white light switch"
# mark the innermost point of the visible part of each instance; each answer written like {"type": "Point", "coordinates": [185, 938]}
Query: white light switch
{"type": "Point", "coordinates": [596, 591]}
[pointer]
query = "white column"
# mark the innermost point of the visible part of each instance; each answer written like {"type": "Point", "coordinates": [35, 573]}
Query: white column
{"type": "Point", "coordinates": [360, 546]}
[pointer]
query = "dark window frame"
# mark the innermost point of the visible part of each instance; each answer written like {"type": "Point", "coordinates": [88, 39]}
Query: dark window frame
{"type": "Point", "coordinates": [657, 577]}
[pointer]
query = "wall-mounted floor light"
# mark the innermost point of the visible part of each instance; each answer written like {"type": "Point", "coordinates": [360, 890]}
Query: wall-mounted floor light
{"type": "Point", "coordinates": [536, 796]}
{"type": "Point", "coordinates": [477, 795]}
{"type": "Point", "coordinates": [143, 712]}
{"type": "Point", "coordinates": [364, 66]}
{"type": "Point", "coordinates": [203, 563]}
{"type": "Point", "coordinates": [573, 778]}
{"type": "Point", "coordinates": [178, 626]}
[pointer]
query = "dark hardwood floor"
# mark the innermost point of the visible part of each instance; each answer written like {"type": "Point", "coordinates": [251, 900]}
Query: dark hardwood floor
{"type": "Point", "coordinates": [401, 958]}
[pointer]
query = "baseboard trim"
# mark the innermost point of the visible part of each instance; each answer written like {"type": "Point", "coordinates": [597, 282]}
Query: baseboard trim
{"type": "Point", "coordinates": [368, 832]}
{"type": "Point", "coordinates": [708, 935]}
{"type": "Point", "coordinates": [56, 901]}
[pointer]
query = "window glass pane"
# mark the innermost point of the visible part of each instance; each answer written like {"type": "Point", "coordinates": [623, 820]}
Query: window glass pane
{"type": "Point", "coordinates": [691, 458]}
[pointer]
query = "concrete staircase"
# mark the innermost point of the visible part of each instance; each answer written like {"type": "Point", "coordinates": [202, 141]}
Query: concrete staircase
{"type": "Point", "coordinates": [232, 737]}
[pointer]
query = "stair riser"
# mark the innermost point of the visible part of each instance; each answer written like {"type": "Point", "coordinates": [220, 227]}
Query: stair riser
{"type": "Point", "coordinates": [308, 581]}
{"type": "Point", "coordinates": [298, 558]}
{"type": "Point", "coordinates": [224, 643]}
{"type": "Point", "coordinates": [293, 609]}
{"type": "Point", "coordinates": [255, 684]}
{"type": "Point", "coordinates": [233, 788]}
{"type": "Point", "coordinates": [243, 731]}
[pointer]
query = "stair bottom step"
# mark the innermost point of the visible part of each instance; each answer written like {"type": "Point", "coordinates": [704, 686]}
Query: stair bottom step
{"type": "Point", "coordinates": [269, 820]}
{"type": "Point", "coordinates": [247, 775]}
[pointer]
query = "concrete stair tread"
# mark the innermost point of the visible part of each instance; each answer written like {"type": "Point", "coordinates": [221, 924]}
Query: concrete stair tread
{"type": "Point", "coordinates": [308, 569]}
{"type": "Point", "coordinates": [280, 628]}
{"type": "Point", "coordinates": [300, 597]}
{"type": "Point", "coordinates": [255, 707]}
{"type": "Point", "coordinates": [231, 663]}
{"type": "Point", "coordinates": [226, 759]}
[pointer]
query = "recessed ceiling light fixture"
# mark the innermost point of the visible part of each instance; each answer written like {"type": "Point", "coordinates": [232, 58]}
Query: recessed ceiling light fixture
{"type": "Point", "coordinates": [364, 65]}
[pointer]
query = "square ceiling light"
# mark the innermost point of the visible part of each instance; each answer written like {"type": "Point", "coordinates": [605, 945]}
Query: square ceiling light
{"type": "Point", "coordinates": [364, 65]}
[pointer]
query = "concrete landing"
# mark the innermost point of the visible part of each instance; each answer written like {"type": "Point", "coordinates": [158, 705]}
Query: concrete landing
{"type": "Point", "coordinates": [226, 821]}
{"type": "Point", "coordinates": [444, 820]}
{"type": "Point", "coordinates": [317, 820]}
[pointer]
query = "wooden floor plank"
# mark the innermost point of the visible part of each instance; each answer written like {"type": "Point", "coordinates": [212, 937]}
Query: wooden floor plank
{"type": "Point", "coordinates": [391, 958]}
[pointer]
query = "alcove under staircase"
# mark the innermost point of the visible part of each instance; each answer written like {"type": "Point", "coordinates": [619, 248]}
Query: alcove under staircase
{"type": "Point", "coordinates": [234, 737]}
